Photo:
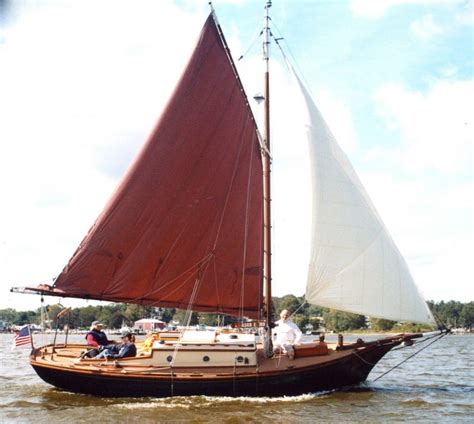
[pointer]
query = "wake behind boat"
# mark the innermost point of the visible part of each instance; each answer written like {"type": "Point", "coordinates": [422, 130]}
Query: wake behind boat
{"type": "Point", "coordinates": [190, 227]}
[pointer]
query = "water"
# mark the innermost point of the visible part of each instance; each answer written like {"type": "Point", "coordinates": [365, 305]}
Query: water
{"type": "Point", "coordinates": [435, 386]}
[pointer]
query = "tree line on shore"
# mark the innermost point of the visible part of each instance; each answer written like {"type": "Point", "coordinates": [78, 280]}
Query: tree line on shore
{"type": "Point", "coordinates": [452, 314]}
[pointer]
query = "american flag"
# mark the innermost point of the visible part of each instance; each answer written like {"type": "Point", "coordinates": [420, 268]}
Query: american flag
{"type": "Point", "coordinates": [23, 337]}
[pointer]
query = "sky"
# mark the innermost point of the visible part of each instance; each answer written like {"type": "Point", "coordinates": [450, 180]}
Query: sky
{"type": "Point", "coordinates": [83, 83]}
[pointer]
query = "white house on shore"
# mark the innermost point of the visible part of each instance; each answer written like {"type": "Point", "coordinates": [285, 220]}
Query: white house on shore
{"type": "Point", "coordinates": [149, 324]}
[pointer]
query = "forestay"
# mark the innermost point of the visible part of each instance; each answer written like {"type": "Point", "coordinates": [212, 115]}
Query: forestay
{"type": "Point", "coordinates": [354, 263]}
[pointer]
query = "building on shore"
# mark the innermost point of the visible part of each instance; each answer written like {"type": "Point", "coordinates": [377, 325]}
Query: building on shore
{"type": "Point", "coordinates": [149, 324]}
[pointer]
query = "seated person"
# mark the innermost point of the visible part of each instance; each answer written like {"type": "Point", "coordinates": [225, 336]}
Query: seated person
{"type": "Point", "coordinates": [287, 334]}
{"type": "Point", "coordinates": [322, 341]}
{"type": "Point", "coordinates": [96, 337]}
{"type": "Point", "coordinates": [121, 350]}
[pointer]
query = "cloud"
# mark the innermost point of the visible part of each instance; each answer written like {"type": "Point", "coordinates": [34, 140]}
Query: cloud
{"type": "Point", "coordinates": [429, 219]}
{"type": "Point", "coordinates": [426, 28]}
{"type": "Point", "coordinates": [465, 15]}
{"type": "Point", "coordinates": [431, 222]}
{"type": "Point", "coordinates": [436, 127]}
{"type": "Point", "coordinates": [423, 186]}
{"type": "Point", "coordinates": [449, 71]}
{"type": "Point", "coordinates": [338, 116]}
{"type": "Point", "coordinates": [77, 102]}
{"type": "Point", "coordinates": [376, 9]}
{"type": "Point", "coordinates": [291, 188]}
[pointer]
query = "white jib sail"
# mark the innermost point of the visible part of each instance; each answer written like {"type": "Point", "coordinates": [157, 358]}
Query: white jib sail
{"type": "Point", "coordinates": [354, 263]}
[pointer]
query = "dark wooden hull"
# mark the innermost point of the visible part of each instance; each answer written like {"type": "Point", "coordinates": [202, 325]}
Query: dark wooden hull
{"type": "Point", "coordinates": [336, 373]}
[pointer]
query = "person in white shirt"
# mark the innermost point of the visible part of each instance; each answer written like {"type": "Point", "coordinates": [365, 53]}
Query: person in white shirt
{"type": "Point", "coordinates": [287, 334]}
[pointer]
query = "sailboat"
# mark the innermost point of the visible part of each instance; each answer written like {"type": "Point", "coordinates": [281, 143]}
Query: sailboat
{"type": "Point", "coordinates": [189, 227]}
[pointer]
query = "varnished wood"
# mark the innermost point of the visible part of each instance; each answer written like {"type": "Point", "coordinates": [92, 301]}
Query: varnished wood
{"type": "Point", "coordinates": [274, 376]}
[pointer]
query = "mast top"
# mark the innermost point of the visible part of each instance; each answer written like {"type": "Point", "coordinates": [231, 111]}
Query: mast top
{"type": "Point", "coordinates": [266, 31]}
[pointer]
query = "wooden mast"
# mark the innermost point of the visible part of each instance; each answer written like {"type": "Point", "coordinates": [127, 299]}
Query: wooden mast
{"type": "Point", "coordinates": [267, 245]}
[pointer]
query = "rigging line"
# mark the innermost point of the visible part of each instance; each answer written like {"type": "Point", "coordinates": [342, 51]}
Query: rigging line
{"type": "Point", "coordinates": [438, 321]}
{"type": "Point", "coordinates": [231, 186]}
{"type": "Point", "coordinates": [169, 282]}
{"type": "Point", "coordinates": [263, 147]}
{"type": "Point", "coordinates": [362, 359]}
{"type": "Point", "coordinates": [216, 283]}
{"type": "Point", "coordinates": [246, 230]}
{"type": "Point", "coordinates": [411, 356]}
{"type": "Point", "coordinates": [194, 293]}
{"type": "Point", "coordinates": [354, 179]}
{"type": "Point", "coordinates": [221, 210]}
{"type": "Point", "coordinates": [199, 277]}
{"type": "Point", "coordinates": [161, 266]}
{"type": "Point", "coordinates": [252, 44]}
{"type": "Point", "coordinates": [299, 307]}
{"type": "Point", "coordinates": [178, 287]}
{"type": "Point", "coordinates": [418, 343]}
{"type": "Point", "coordinates": [197, 284]}
{"type": "Point", "coordinates": [260, 291]}
{"type": "Point", "coordinates": [232, 64]}
{"type": "Point", "coordinates": [158, 269]}
{"type": "Point", "coordinates": [188, 314]}
{"type": "Point", "coordinates": [293, 57]}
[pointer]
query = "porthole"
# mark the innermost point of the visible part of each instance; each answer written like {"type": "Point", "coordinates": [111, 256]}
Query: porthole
{"type": "Point", "coordinates": [239, 359]}
{"type": "Point", "coordinates": [205, 358]}
{"type": "Point", "coordinates": [169, 358]}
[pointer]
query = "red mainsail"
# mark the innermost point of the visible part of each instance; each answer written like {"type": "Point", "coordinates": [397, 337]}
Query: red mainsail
{"type": "Point", "coordinates": [184, 228]}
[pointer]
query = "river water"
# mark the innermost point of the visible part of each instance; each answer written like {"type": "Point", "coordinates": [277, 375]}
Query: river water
{"type": "Point", "coordinates": [435, 386]}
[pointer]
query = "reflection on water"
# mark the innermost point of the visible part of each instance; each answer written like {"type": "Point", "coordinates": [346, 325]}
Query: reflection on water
{"type": "Point", "coordinates": [438, 384]}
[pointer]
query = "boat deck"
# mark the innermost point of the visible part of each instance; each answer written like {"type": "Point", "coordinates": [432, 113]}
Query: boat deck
{"type": "Point", "coordinates": [68, 357]}
{"type": "Point", "coordinates": [310, 371]}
